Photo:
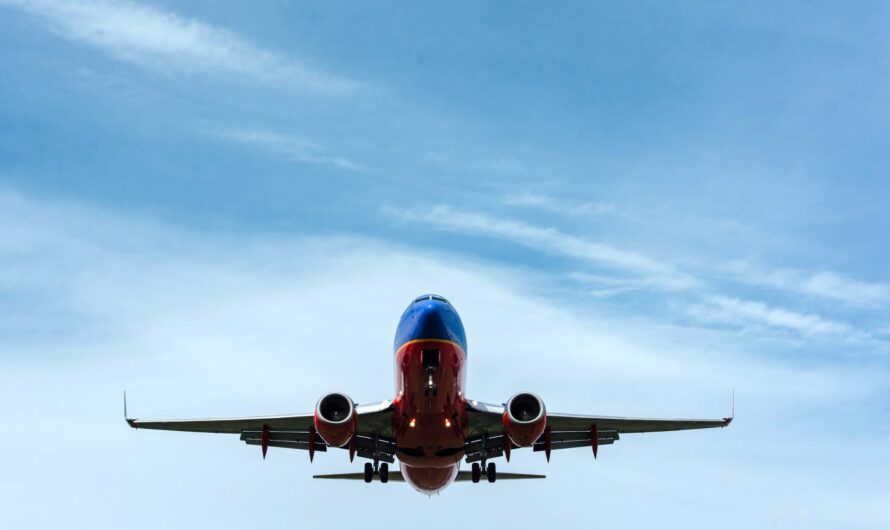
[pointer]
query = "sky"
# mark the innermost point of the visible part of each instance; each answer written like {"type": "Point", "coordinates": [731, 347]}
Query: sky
{"type": "Point", "coordinates": [637, 209]}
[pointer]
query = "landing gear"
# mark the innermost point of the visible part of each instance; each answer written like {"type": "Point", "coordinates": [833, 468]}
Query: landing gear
{"type": "Point", "coordinates": [429, 360]}
{"type": "Point", "coordinates": [476, 473]}
{"type": "Point", "coordinates": [381, 470]}
{"type": "Point", "coordinates": [491, 472]}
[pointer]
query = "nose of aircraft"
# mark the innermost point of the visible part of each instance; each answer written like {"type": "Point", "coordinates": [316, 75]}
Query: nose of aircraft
{"type": "Point", "coordinates": [430, 319]}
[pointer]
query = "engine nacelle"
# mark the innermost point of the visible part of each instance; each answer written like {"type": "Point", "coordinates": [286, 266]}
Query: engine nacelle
{"type": "Point", "coordinates": [525, 419]}
{"type": "Point", "coordinates": [335, 419]}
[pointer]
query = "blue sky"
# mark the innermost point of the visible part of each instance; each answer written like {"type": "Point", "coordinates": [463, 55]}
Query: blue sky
{"type": "Point", "coordinates": [224, 207]}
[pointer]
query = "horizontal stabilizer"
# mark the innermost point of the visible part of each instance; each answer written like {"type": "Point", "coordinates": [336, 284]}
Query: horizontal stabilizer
{"type": "Point", "coordinates": [466, 476]}
{"type": "Point", "coordinates": [396, 476]}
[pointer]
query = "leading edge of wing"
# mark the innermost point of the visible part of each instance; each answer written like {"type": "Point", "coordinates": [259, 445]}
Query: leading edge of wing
{"type": "Point", "coordinates": [567, 422]}
{"type": "Point", "coordinates": [375, 415]}
{"type": "Point", "coordinates": [227, 425]}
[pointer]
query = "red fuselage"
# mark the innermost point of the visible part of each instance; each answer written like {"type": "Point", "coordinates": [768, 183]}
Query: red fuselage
{"type": "Point", "coordinates": [430, 417]}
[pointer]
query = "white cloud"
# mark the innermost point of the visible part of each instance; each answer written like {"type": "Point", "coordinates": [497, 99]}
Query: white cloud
{"type": "Point", "coordinates": [825, 285]}
{"type": "Point", "coordinates": [747, 312]}
{"type": "Point", "coordinates": [546, 202]}
{"type": "Point", "coordinates": [197, 324]}
{"type": "Point", "coordinates": [551, 240]}
{"type": "Point", "coordinates": [162, 40]}
{"type": "Point", "coordinates": [291, 147]}
{"type": "Point", "coordinates": [834, 286]}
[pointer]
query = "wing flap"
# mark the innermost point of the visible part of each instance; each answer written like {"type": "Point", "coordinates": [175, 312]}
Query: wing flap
{"type": "Point", "coordinates": [289, 444]}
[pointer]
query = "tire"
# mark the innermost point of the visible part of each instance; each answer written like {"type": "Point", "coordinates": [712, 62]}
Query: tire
{"type": "Point", "coordinates": [384, 472]}
{"type": "Point", "coordinates": [491, 472]}
{"type": "Point", "coordinates": [476, 473]}
{"type": "Point", "coordinates": [369, 472]}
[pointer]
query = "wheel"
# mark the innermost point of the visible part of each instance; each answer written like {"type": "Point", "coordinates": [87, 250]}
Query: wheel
{"type": "Point", "coordinates": [384, 472]}
{"type": "Point", "coordinates": [491, 472]}
{"type": "Point", "coordinates": [369, 472]}
{"type": "Point", "coordinates": [476, 473]}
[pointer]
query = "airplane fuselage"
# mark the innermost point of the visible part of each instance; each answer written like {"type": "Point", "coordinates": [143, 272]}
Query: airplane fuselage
{"type": "Point", "coordinates": [430, 417]}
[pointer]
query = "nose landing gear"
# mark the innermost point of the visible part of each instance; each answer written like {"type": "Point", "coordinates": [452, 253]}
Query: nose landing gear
{"type": "Point", "coordinates": [429, 360]}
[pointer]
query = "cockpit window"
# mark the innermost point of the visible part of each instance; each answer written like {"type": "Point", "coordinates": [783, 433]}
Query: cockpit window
{"type": "Point", "coordinates": [431, 297]}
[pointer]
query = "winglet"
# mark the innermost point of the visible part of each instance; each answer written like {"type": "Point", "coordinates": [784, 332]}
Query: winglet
{"type": "Point", "coordinates": [727, 421]}
{"type": "Point", "coordinates": [126, 416]}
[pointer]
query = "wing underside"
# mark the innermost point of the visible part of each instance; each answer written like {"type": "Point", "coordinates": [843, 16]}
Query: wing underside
{"type": "Point", "coordinates": [373, 430]}
{"type": "Point", "coordinates": [566, 431]}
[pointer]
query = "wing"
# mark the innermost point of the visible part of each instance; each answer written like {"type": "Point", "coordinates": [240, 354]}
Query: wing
{"type": "Point", "coordinates": [373, 430]}
{"type": "Point", "coordinates": [565, 430]}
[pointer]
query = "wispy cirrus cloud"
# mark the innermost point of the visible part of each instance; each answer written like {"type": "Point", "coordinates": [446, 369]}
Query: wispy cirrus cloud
{"type": "Point", "coordinates": [288, 146]}
{"type": "Point", "coordinates": [552, 204]}
{"type": "Point", "coordinates": [163, 40]}
{"type": "Point", "coordinates": [551, 240]}
{"type": "Point", "coordinates": [822, 284]}
{"type": "Point", "coordinates": [634, 272]}
{"type": "Point", "coordinates": [748, 312]}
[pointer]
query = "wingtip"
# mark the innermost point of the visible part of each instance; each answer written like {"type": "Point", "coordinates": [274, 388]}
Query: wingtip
{"type": "Point", "coordinates": [727, 420]}
{"type": "Point", "coordinates": [130, 421]}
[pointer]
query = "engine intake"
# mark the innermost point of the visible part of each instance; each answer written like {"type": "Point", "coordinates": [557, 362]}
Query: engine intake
{"type": "Point", "coordinates": [525, 419]}
{"type": "Point", "coordinates": [335, 419]}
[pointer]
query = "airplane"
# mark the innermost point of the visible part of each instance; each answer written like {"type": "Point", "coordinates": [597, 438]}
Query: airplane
{"type": "Point", "coordinates": [430, 425]}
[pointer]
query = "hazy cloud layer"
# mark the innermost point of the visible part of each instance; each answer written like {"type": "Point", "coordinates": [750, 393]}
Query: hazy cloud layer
{"type": "Point", "coordinates": [196, 324]}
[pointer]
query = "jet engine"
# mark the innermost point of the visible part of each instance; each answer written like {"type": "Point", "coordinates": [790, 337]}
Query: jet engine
{"type": "Point", "coordinates": [525, 419]}
{"type": "Point", "coordinates": [335, 419]}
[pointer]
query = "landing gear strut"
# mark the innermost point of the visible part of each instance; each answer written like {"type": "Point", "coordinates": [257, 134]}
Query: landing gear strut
{"type": "Point", "coordinates": [490, 470]}
{"type": "Point", "coordinates": [381, 470]}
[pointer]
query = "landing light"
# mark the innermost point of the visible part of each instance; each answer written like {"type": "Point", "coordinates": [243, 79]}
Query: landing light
{"type": "Point", "coordinates": [412, 423]}
{"type": "Point", "coordinates": [447, 423]}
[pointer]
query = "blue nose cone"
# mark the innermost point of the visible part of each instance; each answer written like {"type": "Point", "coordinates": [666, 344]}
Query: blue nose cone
{"type": "Point", "coordinates": [430, 317]}
{"type": "Point", "coordinates": [430, 321]}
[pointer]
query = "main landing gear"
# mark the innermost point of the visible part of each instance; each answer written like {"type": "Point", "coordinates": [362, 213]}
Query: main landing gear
{"type": "Point", "coordinates": [491, 472]}
{"type": "Point", "coordinates": [382, 471]}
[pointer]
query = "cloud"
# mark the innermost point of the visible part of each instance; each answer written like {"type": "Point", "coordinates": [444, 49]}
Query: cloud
{"type": "Point", "coordinates": [546, 202]}
{"type": "Point", "coordinates": [202, 323]}
{"type": "Point", "coordinates": [747, 312]}
{"type": "Point", "coordinates": [552, 241]}
{"type": "Point", "coordinates": [826, 285]}
{"type": "Point", "coordinates": [291, 147]}
{"type": "Point", "coordinates": [832, 286]}
{"type": "Point", "coordinates": [162, 40]}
